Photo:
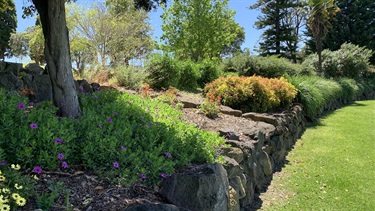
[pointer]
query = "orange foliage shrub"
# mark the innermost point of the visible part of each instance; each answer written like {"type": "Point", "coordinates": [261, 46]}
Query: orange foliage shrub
{"type": "Point", "coordinates": [253, 93]}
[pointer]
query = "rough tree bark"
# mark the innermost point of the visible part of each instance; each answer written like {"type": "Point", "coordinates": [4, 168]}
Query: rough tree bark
{"type": "Point", "coordinates": [52, 16]}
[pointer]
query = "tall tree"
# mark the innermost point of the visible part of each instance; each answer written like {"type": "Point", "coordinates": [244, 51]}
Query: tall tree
{"type": "Point", "coordinates": [8, 24]}
{"type": "Point", "coordinates": [354, 24]}
{"type": "Point", "coordinates": [57, 55]}
{"type": "Point", "coordinates": [281, 21]}
{"type": "Point", "coordinates": [198, 29]}
{"type": "Point", "coordinates": [52, 15]}
{"type": "Point", "coordinates": [117, 35]}
{"type": "Point", "coordinates": [321, 14]}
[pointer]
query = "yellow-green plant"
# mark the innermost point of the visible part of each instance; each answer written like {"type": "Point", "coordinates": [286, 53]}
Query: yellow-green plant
{"type": "Point", "coordinates": [14, 188]}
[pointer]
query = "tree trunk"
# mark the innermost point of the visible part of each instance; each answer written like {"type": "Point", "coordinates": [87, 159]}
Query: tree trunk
{"type": "Point", "coordinates": [52, 16]}
{"type": "Point", "coordinates": [319, 52]}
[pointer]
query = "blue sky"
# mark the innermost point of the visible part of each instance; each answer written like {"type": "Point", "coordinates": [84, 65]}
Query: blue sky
{"type": "Point", "coordinates": [244, 16]}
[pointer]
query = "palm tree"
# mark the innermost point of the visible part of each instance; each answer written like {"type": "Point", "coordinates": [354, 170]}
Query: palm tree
{"type": "Point", "coordinates": [321, 13]}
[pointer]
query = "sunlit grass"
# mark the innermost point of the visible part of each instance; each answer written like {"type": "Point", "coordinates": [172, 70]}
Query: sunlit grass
{"type": "Point", "coordinates": [332, 166]}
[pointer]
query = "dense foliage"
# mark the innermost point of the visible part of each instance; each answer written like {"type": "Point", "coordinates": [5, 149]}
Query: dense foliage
{"type": "Point", "coordinates": [165, 71]}
{"type": "Point", "coordinates": [256, 94]}
{"type": "Point", "coordinates": [199, 29]}
{"type": "Point", "coordinates": [8, 24]}
{"type": "Point", "coordinates": [120, 136]}
{"type": "Point", "coordinates": [316, 93]}
{"type": "Point", "coordinates": [349, 61]}
{"type": "Point", "coordinates": [270, 66]}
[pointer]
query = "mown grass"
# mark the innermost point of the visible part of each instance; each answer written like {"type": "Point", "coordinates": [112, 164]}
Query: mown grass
{"type": "Point", "coordinates": [332, 166]}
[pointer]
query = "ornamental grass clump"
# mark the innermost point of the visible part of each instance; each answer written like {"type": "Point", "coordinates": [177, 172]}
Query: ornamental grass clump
{"type": "Point", "coordinates": [253, 93]}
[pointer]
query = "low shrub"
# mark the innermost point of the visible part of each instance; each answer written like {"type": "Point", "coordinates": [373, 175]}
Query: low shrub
{"type": "Point", "coordinates": [270, 67]}
{"type": "Point", "coordinates": [254, 93]}
{"type": "Point", "coordinates": [349, 61]}
{"type": "Point", "coordinates": [165, 71]}
{"type": "Point", "coordinates": [315, 93]}
{"type": "Point", "coordinates": [129, 76]}
{"type": "Point", "coordinates": [210, 109]}
{"type": "Point", "coordinates": [162, 71]}
{"type": "Point", "coordinates": [124, 138]}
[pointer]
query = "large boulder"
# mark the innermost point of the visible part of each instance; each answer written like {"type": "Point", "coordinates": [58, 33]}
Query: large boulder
{"type": "Point", "coordinates": [34, 69]}
{"type": "Point", "coordinates": [10, 68]}
{"type": "Point", "coordinates": [43, 88]}
{"type": "Point", "coordinates": [10, 82]}
{"type": "Point", "coordinates": [206, 188]}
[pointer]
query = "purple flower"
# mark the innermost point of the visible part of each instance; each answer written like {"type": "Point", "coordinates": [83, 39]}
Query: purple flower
{"type": "Point", "coordinates": [96, 97]}
{"type": "Point", "coordinates": [33, 126]}
{"type": "Point", "coordinates": [165, 176]}
{"type": "Point", "coordinates": [3, 163]}
{"type": "Point", "coordinates": [143, 176]}
{"type": "Point", "coordinates": [38, 169]}
{"type": "Point", "coordinates": [64, 164]}
{"type": "Point", "coordinates": [60, 156]}
{"type": "Point", "coordinates": [21, 106]}
{"type": "Point", "coordinates": [109, 119]}
{"type": "Point", "coordinates": [116, 165]}
{"type": "Point", "coordinates": [115, 113]}
{"type": "Point", "coordinates": [123, 147]}
{"type": "Point", "coordinates": [100, 126]}
{"type": "Point", "coordinates": [81, 89]}
{"type": "Point", "coordinates": [59, 141]}
{"type": "Point", "coordinates": [216, 147]}
{"type": "Point", "coordinates": [157, 111]}
{"type": "Point", "coordinates": [168, 154]}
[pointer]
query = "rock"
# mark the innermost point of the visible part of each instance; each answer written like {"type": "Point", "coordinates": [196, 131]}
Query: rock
{"type": "Point", "coordinates": [43, 88]}
{"type": "Point", "coordinates": [234, 204]}
{"type": "Point", "coordinates": [267, 129]}
{"type": "Point", "coordinates": [205, 189]}
{"type": "Point", "coordinates": [235, 153]}
{"type": "Point", "coordinates": [265, 162]}
{"type": "Point", "coordinates": [237, 184]}
{"type": "Point", "coordinates": [10, 82]}
{"type": "Point", "coordinates": [232, 167]}
{"type": "Point", "coordinates": [83, 86]}
{"type": "Point", "coordinates": [262, 118]}
{"type": "Point", "coordinates": [188, 103]}
{"type": "Point", "coordinates": [229, 134]}
{"type": "Point", "coordinates": [34, 69]}
{"type": "Point", "coordinates": [10, 68]}
{"type": "Point", "coordinates": [230, 111]}
{"type": "Point", "coordinates": [250, 191]}
{"type": "Point", "coordinates": [148, 206]}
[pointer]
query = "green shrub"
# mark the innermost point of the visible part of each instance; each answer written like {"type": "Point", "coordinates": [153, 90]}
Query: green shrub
{"type": "Point", "coordinates": [120, 136]}
{"type": "Point", "coordinates": [270, 67]}
{"type": "Point", "coordinates": [162, 71]}
{"type": "Point", "coordinates": [209, 71]}
{"type": "Point", "coordinates": [254, 93]}
{"type": "Point", "coordinates": [189, 75]}
{"type": "Point", "coordinates": [129, 76]}
{"type": "Point", "coordinates": [349, 61]}
{"type": "Point", "coordinates": [210, 109]}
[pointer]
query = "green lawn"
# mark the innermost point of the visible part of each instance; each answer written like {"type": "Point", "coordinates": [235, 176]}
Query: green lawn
{"type": "Point", "coordinates": [332, 166]}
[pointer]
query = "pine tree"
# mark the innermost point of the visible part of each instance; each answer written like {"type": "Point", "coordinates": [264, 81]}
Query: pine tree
{"type": "Point", "coordinates": [280, 36]}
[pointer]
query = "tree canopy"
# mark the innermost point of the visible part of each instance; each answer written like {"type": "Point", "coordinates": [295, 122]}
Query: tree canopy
{"type": "Point", "coordinates": [8, 24]}
{"type": "Point", "coordinates": [198, 29]}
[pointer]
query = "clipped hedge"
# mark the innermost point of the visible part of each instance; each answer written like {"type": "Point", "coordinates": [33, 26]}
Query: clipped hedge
{"type": "Point", "coordinates": [254, 93]}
